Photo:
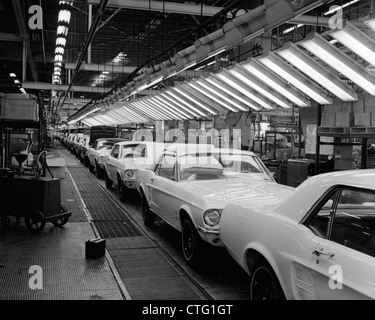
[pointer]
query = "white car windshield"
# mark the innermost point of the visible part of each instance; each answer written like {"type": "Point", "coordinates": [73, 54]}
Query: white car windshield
{"type": "Point", "coordinates": [133, 151]}
{"type": "Point", "coordinates": [105, 145]}
{"type": "Point", "coordinates": [207, 166]}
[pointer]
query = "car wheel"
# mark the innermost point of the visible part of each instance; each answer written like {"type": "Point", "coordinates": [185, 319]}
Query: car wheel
{"type": "Point", "coordinates": [99, 172]}
{"type": "Point", "coordinates": [91, 168]}
{"type": "Point", "coordinates": [122, 190]}
{"type": "Point", "coordinates": [264, 284]}
{"type": "Point", "coordinates": [87, 162]}
{"type": "Point", "coordinates": [192, 244]}
{"type": "Point", "coordinates": [108, 182]}
{"type": "Point", "coordinates": [147, 215]}
{"type": "Point", "coordinates": [35, 221]}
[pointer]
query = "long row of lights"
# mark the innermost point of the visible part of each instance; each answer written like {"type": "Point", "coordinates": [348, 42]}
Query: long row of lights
{"type": "Point", "coordinates": [61, 34]}
{"type": "Point", "coordinates": [17, 82]}
{"type": "Point", "coordinates": [239, 87]}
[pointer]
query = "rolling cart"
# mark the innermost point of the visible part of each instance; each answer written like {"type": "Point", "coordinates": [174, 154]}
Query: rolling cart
{"type": "Point", "coordinates": [37, 199]}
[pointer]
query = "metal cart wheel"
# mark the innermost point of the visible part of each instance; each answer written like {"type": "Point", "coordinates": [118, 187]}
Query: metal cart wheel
{"type": "Point", "coordinates": [61, 221]}
{"type": "Point", "coordinates": [4, 221]}
{"type": "Point", "coordinates": [35, 221]}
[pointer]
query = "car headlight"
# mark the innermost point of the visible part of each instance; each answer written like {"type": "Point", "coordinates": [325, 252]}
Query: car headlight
{"type": "Point", "coordinates": [212, 217]}
{"type": "Point", "coordinates": [128, 174]}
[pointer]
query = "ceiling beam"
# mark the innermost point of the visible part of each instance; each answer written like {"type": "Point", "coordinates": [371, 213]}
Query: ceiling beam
{"type": "Point", "coordinates": [61, 87]}
{"type": "Point", "coordinates": [101, 67]}
{"type": "Point", "coordinates": [24, 34]}
{"type": "Point", "coordinates": [170, 7]}
{"type": "Point", "coordinates": [320, 21]}
{"type": "Point", "coordinates": [13, 37]}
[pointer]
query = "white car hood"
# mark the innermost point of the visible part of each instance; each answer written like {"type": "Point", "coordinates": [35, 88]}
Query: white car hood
{"type": "Point", "coordinates": [103, 152]}
{"type": "Point", "coordinates": [217, 193]}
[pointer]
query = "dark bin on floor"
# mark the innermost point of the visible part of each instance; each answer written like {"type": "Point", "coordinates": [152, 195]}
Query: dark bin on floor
{"type": "Point", "coordinates": [95, 248]}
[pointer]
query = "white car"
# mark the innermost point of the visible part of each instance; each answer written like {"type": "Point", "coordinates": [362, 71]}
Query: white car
{"type": "Point", "coordinates": [319, 243]}
{"type": "Point", "coordinates": [190, 184]}
{"type": "Point", "coordinates": [96, 153]}
{"type": "Point", "coordinates": [123, 161]}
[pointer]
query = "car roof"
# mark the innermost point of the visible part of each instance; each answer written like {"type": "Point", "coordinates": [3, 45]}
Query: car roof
{"type": "Point", "coordinates": [185, 148]}
{"type": "Point", "coordinates": [312, 189]}
{"type": "Point", "coordinates": [111, 139]}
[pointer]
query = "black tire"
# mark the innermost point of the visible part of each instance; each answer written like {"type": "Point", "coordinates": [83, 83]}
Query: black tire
{"type": "Point", "coordinates": [35, 221]}
{"type": "Point", "coordinates": [264, 284]}
{"type": "Point", "coordinates": [192, 243]}
{"type": "Point", "coordinates": [91, 168]}
{"type": "Point", "coordinates": [122, 190]}
{"type": "Point", "coordinates": [4, 221]}
{"type": "Point", "coordinates": [108, 182]}
{"type": "Point", "coordinates": [87, 162]}
{"type": "Point", "coordinates": [147, 215]}
{"type": "Point", "coordinates": [61, 221]}
{"type": "Point", "coordinates": [99, 172]}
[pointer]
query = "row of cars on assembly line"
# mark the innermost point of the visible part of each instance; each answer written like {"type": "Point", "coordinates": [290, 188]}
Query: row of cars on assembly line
{"type": "Point", "coordinates": [316, 241]}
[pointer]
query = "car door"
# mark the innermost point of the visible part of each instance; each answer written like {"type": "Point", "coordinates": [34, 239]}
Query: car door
{"type": "Point", "coordinates": [112, 160]}
{"type": "Point", "coordinates": [344, 260]}
{"type": "Point", "coordinates": [161, 187]}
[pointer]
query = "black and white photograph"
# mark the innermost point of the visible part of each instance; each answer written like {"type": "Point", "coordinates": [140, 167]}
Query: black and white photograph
{"type": "Point", "coordinates": [188, 158]}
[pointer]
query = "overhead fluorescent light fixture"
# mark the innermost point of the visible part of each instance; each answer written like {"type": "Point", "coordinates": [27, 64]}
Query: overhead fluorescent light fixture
{"type": "Point", "coordinates": [147, 110]}
{"type": "Point", "coordinates": [60, 41]}
{"type": "Point", "coordinates": [166, 108]}
{"type": "Point", "coordinates": [175, 105]}
{"type": "Point", "coordinates": [300, 81]}
{"type": "Point", "coordinates": [173, 96]}
{"type": "Point", "coordinates": [166, 103]}
{"type": "Point", "coordinates": [64, 16]}
{"type": "Point", "coordinates": [370, 22]}
{"type": "Point", "coordinates": [222, 95]}
{"type": "Point", "coordinates": [59, 50]}
{"type": "Point", "coordinates": [240, 76]}
{"type": "Point", "coordinates": [357, 41]}
{"type": "Point", "coordinates": [155, 106]}
{"type": "Point", "coordinates": [340, 61]}
{"type": "Point", "coordinates": [301, 60]}
{"type": "Point", "coordinates": [58, 57]}
{"type": "Point", "coordinates": [211, 95]}
{"type": "Point", "coordinates": [340, 7]}
{"type": "Point", "coordinates": [265, 75]}
{"type": "Point", "coordinates": [194, 100]}
{"type": "Point", "coordinates": [236, 89]}
{"type": "Point", "coordinates": [293, 28]}
{"type": "Point", "coordinates": [62, 30]}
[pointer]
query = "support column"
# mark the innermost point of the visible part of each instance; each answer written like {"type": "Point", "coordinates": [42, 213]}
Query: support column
{"type": "Point", "coordinates": [317, 151]}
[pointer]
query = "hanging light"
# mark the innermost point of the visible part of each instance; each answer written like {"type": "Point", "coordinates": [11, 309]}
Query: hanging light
{"type": "Point", "coordinates": [62, 30]}
{"type": "Point", "coordinates": [174, 96]}
{"type": "Point", "coordinates": [59, 50]}
{"type": "Point", "coordinates": [238, 78]}
{"type": "Point", "coordinates": [64, 16]}
{"type": "Point", "coordinates": [231, 91]}
{"type": "Point", "coordinates": [180, 105]}
{"type": "Point", "coordinates": [216, 95]}
{"type": "Point", "coordinates": [188, 95]}
{"type": "Point", "coordinates": [357, 41]}
{"type": "Point", "coordinates": [58, 57]}
{"type": "Point", "coordinates": [276, 83]}
{"type": "Point", "coordinates": [340, 61]}
{"type": "Point", "coordinates": [300, 81]}
{"type": "Point", "coordinates": [301, 60]}
{"type": "Point", "coordinates": [60, 41]}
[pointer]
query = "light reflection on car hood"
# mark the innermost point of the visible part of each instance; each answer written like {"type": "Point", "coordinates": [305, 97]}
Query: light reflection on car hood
{"type": "Point", "coordinates": [242, 191]}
